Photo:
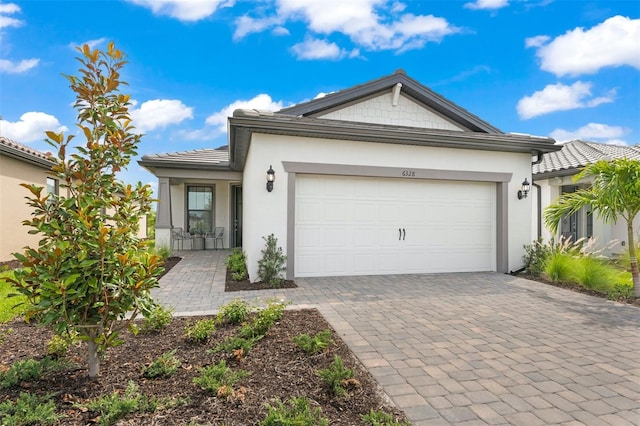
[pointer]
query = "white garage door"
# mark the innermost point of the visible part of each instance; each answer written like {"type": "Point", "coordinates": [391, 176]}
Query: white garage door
{"type": "Point", "coordinates": [372, 226]}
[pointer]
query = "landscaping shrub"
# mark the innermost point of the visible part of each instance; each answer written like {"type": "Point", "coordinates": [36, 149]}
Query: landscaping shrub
{"type": "Point", "coordinates": [264, 320]}
{"type": "Point", "coordinates": [234, 312]}
{"type": "Point", "coordinates": [220, 379]}
{"type": "Point", "coordinates": [273, 262]}
{"type": "Point", "coordinates": [380, 418]}
{"type": "Point", "coordinates": [296, 412]}
{"type": "Point", "coordinates": [29, 409]}
{"type": "Point", "coordinates": [157, 318]}
{"type": "Point", "coordinates": [200, 331]}
{"type": "Point", "coordinates": [237, 264]}
{"type": "Point", "coordinates": [163, 366]}
{"type": "Point", "coordinates": [560, 267]}
{"type": "Point", "coordinates": [337, 377]}
{"type": "Point", "coordinates": [29, 370]}
{"type": "Point", "coordinates": [315, 344]}
{"type": "Point", "coordinates": [535, 256]}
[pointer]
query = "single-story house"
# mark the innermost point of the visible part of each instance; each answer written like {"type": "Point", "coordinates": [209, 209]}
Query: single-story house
{"type": "Point", "coordinates": [19, 164]}
{"type": "Point", "coordinates": [386, 177]}
{"type": "Point", "coordinates": [553, 176]}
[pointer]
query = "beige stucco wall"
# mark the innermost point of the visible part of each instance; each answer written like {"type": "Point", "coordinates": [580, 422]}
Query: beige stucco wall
{"type": "Point", "coordinates": [266, 212]}
{"type": "Point", "coordinates": [13, 208]}
{"type": "Point", "coordinates": [381, 110]}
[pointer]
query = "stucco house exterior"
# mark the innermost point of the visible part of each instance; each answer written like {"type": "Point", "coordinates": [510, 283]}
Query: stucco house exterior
{"type": "Point", "coordinates": [19, 164]}
{"type": "Point", "coordinates": [553, 176]}
{"type": "Point", "coordinates": [386, 177]}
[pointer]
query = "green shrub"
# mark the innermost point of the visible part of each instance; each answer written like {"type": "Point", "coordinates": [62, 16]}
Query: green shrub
{"type": "Point", "coordinates": [337, 377]}
{"type": "Point", "coordinates": [234, 312]}
{"type": "Point", "coordinates": [157, 318]}
{"type": "Point", "coordinates": [29, 370]}
{"type": "Point", "coordinates": [219, 379]}
{"type": "Point", "coordinates": [232, 344]}
{"type": "Point", "coordinates": [273, 262]}
{"type": "Point", "coordinates": [560, 267]}
{"type": "Point", "coordinates": [116, 405]}
{"type": "Point", "coordinates": [237, 264]}
{"type": "Point", "coordinates": [164, 252]}
{"type": "Point", "coordinates": [315, 344]}
{"type": "Point", "coordinates": [29, 409]}
{"type": "Point", "coordinates": [380, 418]}
{"type": "Point", "coordinates": [200, 331]}
{"type": "Point", "coordinates": [535, 256]}
{"type": "Point", "coordinates": [163, 366]}
{"type": "Point", "coordinates": [58, 345]}
{"type": "Point", "coordinates": [295, 413]}
{"type": "Point", "coordinates": [264, 320]}
{"type": "Point", "coordinates": [595, 274]}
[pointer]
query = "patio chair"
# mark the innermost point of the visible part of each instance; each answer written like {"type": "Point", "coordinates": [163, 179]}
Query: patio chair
{"type": "Point", "coordinates": [177, 236]}
{"type": "Point", "coordinates": [218, 234]}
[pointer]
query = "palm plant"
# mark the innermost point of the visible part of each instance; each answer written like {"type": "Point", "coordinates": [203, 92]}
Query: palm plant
{"type": "Point", "coordinates": [613, 194]}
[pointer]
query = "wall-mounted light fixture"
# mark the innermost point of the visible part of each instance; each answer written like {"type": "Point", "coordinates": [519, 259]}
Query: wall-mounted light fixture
{"type": "Point", "coordinates": [271, 177]}
{"type": "Point", "coordinates": [526, 186]}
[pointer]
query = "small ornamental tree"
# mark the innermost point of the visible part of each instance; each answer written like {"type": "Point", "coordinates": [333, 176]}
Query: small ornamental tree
{"type": "Point", "coordinates": [90, 270]}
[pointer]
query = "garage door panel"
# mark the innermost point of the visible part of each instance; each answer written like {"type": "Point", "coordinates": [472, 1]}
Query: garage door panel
{"type": "Point", "coordinates": [350, 226]}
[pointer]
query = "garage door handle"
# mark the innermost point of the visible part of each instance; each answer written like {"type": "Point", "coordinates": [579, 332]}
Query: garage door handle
{"type": "Point", "coordinates": [403, 234]}
{"type": "Point", "coordinates": [399, 234]}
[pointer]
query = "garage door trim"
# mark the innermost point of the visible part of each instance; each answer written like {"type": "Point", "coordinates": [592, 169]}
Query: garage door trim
{"type": "Point", "coordinates": [501, 180]}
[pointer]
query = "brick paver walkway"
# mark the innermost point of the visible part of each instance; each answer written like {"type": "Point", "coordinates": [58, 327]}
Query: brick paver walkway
{"type": "Point", "coordinates": [481, 348]}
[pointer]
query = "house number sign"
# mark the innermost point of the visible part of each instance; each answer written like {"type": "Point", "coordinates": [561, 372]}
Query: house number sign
{"type": "Point", "coordinates": [408, 173]}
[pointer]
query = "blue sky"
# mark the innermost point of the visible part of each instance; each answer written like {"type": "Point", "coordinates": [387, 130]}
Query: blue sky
{"type": "Point", "coordinates": [565, 69]}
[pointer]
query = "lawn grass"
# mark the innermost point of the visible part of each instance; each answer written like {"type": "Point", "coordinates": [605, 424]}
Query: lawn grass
{"type": "Point", "coordinates": [7, 309]}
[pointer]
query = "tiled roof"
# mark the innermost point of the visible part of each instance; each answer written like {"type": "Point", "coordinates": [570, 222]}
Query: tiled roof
{"type": "Point", "coordinates": [577, 154]}
{"type": "Point", "coordinates": [205, 156]}
{"type": "Point", "coordinates": [23, 152]}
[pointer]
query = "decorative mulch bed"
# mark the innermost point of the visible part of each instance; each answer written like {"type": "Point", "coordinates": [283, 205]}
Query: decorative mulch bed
{"type": "Point", "coordinates": [244, 285]}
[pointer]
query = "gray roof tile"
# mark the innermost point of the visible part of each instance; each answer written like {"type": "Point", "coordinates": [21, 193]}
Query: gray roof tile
{"type": "Point", "coordinates": [25, 153]}
{"type": "Point", "coordinates": [577, 154]}
{"type": "Point", "coordinates": [218, 156]}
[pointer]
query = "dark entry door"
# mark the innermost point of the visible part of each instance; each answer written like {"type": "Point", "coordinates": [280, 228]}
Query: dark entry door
{"type": "Point", "coordinates": [236, 215]}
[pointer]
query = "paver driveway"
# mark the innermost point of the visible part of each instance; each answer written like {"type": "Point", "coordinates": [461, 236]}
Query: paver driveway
{"type": "Point", "coordinates": [481, 348]}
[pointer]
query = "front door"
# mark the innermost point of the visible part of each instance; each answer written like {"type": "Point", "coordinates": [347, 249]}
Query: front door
{"type": "Point", "coordinates": [236, 215]}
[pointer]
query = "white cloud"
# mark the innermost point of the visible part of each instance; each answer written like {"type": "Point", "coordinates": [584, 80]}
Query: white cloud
{"type": "Point", "coordinates": [31, 127]}
{"type": "Point", "coordinates": [559, 97]}
{"type": "Point", "coordinates": [10, 67]}
{"type": "Point", "coordinates": [8, 21]}
{"type": "Point", "coordinates": [184, 10]}
{"type": "Point", "coordinates": [613, 43]}
{"type": "Point", "coordinates": [91, 43]}
{"type": "Point", "coordinates": [596, 132]}
{"type": "Point", "coordinates": [159, 113]}
{"type": "Point", "coordinates": [369, 24]}
{"type": "Point", "coordinates": [486, 4]}
{"type": "Point", "coordinates": [319, 49]}
{"type": "Point", "coordinates": [260, 102]}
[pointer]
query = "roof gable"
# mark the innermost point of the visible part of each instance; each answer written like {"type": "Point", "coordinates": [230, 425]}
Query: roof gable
{"type": "Point", "coordinates": [397, 87]}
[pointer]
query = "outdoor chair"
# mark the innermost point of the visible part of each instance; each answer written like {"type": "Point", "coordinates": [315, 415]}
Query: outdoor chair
{"type": "Point", "coordinates": [218, 234]}
{"type": "Point", "coordinates": [177, 236]}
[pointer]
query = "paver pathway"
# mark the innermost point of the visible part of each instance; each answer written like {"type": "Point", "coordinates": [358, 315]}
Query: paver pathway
{"type": "Point", "coordinates": [463, 349]}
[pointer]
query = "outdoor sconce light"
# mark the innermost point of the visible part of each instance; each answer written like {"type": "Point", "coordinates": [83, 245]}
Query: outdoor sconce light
{"type": "Point", "coordinates": [271, 177]}
{"type": "Point", "coordinates": [522, 193]}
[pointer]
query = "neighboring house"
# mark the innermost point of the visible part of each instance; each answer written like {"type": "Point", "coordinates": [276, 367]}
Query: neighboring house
{"type": "Point", "coordinates": [386, 177]}
{"type": "Point", "coordinates": [19, 164]}
{"type": "Point", "coordinates": [22, 164]}
{"type": "Point", "coordinates": [554, 176]}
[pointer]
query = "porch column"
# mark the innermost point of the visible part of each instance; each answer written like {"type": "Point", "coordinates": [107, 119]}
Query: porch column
{"type": "Point", "coordinates": [163, 214]}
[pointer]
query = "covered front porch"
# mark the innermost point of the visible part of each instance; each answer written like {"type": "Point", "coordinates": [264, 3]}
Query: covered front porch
{"type": "Point", "coordinates": [199, 200]}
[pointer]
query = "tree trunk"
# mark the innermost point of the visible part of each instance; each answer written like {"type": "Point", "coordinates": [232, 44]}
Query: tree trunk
{"type": "Point", "coordinates": [94, 359]}
{"type": "Point", "coordinates": [633, 256]}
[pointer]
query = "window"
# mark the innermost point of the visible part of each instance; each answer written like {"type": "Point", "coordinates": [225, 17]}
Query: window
{"type": "Point", "coordinates": [199, 209]}
{"type": "Point", "coordinates": [52, 186]}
